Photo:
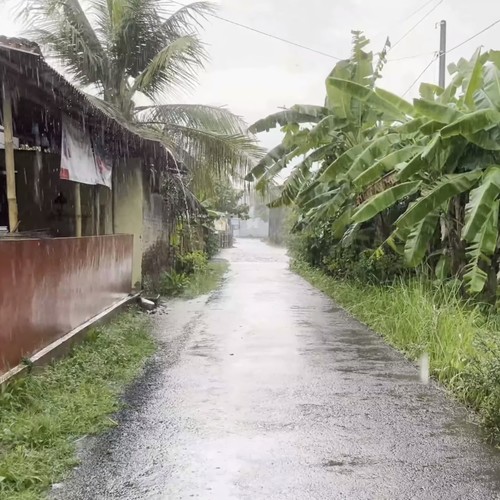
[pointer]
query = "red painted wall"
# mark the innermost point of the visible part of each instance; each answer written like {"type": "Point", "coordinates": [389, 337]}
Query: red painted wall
{"type": "Point", "coordinates": [50, 286]}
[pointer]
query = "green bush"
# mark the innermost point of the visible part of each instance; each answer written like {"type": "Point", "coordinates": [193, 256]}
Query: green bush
{"type": "Point", "coordinates": [193, 262]}
{"type": "Point", "coordinates": [173, 283]}
{"type": "Point", "coordinates": [366, 267]}
{"type": "Point", "coordinates": [211, 243]}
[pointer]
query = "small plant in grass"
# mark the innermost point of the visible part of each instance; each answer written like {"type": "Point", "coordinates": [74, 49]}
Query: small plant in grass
{"type": "Point", "coordinates": [193, 262]}
{"type": "Point", "coordinates": [204, 282]}
{"type": "Point", "coordinates": [173, 283]}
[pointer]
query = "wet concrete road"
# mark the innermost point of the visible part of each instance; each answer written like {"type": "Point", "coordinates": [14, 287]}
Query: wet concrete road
{"type": "Point", "coordinates": [267, 390]}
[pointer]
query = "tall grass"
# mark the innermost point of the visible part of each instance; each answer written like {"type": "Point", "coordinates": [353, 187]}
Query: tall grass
{"type": "Point", "coordinates": [42, 415]}
{"type": "Point", "coordinates": [417, 317]}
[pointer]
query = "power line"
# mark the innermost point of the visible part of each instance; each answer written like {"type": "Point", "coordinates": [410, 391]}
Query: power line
{"type": "Point", "coordinates": [276, 37]}
{"type": "Point", "coordinates": [474, 36]}
{"type": "Point", "coordinates": [422, 7]}
{"type": "Point", "coordinates": [417, 23]}
{"type": "Point", "coordinates": [406, 18]}
{"type": "Point", "coordinates": [414, 56]}
{"type": "Point", "coordinates": [269, 35]}
{"type": "Point", "coordinates": [420, 75]}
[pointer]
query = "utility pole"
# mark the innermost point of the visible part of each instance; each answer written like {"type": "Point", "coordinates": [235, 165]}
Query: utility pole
{"type": "Point", "coordinates": [442, 54]}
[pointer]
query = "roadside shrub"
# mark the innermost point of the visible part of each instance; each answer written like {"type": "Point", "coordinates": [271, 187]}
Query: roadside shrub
{"type": "Point", "coordinates": [173, 283]}
{"type": "Point", "coordinates": [193, 262]}
{"type": "Point", "coordinates": [211, 243]}
{"type": "Point", "coordinates": [365, 266]}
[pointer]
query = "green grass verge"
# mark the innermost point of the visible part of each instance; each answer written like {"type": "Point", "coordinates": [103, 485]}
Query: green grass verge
{"type": "Point", "coordinates": [416, 317]}
{"type": "Point", "coordinates": [42, 415]}
{"type": "Point", "coordinates": [203, 282]}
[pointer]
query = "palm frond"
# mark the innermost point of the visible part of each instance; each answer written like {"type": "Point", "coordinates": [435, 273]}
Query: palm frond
{"type": "Point", "coordinates": [174, 65]}
{"type": "Point", "coordinates": [224, 153]}
{"type": "Point", "coordinates": [64, 32]}
{"type": "Point", "coordinates": [217, 119]}
{"type": "Point", "coordinates": [184, 19]}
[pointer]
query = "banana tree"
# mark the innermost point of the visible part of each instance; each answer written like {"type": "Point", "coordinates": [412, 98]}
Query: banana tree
{"type": "Point", "coordinates": [444, 167]}
{"type": "Point", "coordinates": [319, 134]}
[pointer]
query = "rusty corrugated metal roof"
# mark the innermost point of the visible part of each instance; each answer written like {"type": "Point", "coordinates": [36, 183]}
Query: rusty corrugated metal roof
{"type": "Point", "coordinates": [24, 59]}
{"type": "Point", "coordinates": [20, 44]}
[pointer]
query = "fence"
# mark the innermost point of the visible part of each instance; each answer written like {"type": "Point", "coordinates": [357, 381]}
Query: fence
{"type": "Point", "coordinates": [50, 286]}
{"type": "Point", "coordinates": [225, 239]}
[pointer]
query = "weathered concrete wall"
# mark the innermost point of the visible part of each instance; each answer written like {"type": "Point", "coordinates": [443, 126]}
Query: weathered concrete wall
{"type": "Point", "coordinates": [49, 287]}
{"type": "Point", "coordinates": [128, 208]}
{"type": "Point", "coordinates": [155, 220]}
{"type": "Point", "coordinates": [158, 226]}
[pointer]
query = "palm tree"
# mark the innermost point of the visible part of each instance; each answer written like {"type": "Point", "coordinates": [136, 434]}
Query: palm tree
{"type": "Point", "coordinates": [125, 51]}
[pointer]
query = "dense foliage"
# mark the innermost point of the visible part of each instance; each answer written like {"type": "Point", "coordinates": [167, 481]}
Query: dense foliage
{"type": "Point", "coordinates": [417, 180]}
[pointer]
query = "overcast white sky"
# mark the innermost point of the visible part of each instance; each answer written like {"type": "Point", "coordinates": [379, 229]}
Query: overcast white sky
{"type": "Point", "coordinates": [254, 75]}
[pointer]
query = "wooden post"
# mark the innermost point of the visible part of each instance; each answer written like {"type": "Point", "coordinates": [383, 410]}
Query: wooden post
{"type": "Point", "coordinates": [97, 209]}
{"type": "Point", "coordinates": [113, 196]}
{"type": "Point", "coordinates": [8, 130]}
{"type": "Point", "coordinates": [78, 211]}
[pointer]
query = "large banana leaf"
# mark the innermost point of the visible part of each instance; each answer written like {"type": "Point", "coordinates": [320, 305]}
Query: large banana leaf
{"type": "Point", "coordinates": [339, 102]}
{"type": "Point", "coordinates": [273, 156]}
{"type": "Point", "coordinates": [409, 169]}
{"type": "Point", "coordinates": [326, 129]}
{"type": "Point", "coordinates": [488, 96]}
{"type": "Point", "coordinates": [441, 113]}
{"type": "Point", "coordinates": [429, 91]}
{"type": "Point", "coordinates": [486, 139]}
{"type": "Point", "coordinates": [386, 164]}
{"type": "Point", "coordinates": [481, 200]}
{"type": "Point", "coordinates": [331, 201]}
{"type": "Point", "coordinates": [291, 187]}
{"type": "Point", "coordinates": [342, 163]}
{"type": "Point", "coordinates": [371, 153]}
{"type": "Point", "coordinates": [479, 253]}
{"type": "Point", "coordinates": [398, 102]}
{"type": "Point", "coordinates": [474, 80]}
{"type": "Point", "coordinates": [384, 200]}
{"type": "Point", "coordinates": [440, 154]}
{"type": "Point", "coordinates": [297, 177]}
{"type": "Point", "coordinates": [417, 242]}
{"type": "Point", "coordinates": [272, 171]}
{"type": "Point", "coordinates": [472, 123]}
{"type": "Point", "coordinates": [440, 193]}
{"type": "Point", "coordinates": [300, 113]}
{"type": "Point", "coordinates": [341, 222]}
{"type": "Point", "coordinates": [393, 109]}
{"type": "Point", "coordinates": [430, 127]}
{"type": "Point", "coordinates": [350, 234]}
{"type": "Point", "coordinates": [411, 127]}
